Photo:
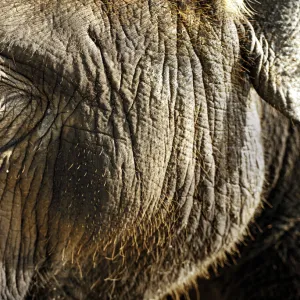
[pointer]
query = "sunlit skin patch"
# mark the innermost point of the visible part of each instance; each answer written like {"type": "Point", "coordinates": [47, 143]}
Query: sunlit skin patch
{"type": "Point", "coordinates": [195, 13]}
{"type": "Point", "coordinates": [235, 9]}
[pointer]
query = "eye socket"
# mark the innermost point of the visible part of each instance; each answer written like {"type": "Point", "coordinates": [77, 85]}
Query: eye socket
{"type": "Point", "coordinates": [21, 108]}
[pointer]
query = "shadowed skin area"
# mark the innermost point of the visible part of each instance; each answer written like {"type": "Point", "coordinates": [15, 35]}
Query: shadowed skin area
{"type": "Point", "coordinates": [133, 147]}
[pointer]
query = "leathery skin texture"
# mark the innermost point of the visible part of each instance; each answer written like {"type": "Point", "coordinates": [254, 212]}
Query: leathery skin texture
{"type": "Point", "coordinates": [132, 146]}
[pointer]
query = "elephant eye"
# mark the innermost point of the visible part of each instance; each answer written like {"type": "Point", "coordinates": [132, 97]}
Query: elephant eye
{"type": "Point", "coordinates": [21, 108]}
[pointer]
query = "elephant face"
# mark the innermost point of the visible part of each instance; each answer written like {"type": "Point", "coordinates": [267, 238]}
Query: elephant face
{"type": "Point", "coordinates": [131, 144]}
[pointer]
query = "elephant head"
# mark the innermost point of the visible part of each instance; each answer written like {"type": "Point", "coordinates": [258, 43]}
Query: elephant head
{"type": "Point", "coordinates": [132, 139]}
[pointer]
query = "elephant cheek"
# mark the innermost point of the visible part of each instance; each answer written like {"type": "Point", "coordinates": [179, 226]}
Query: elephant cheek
{"type": "Point", "coordinates": [95, 190]}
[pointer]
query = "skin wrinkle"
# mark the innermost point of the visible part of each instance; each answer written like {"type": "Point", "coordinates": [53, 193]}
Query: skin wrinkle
{"type": "Point", "coordinates": [35, 204]}
{"type": "Point", "coordinates": [10, 223]}
{"type": "Point", "coordinates": [218, 216]}
{"type": "Point", "coordinates": [150, 98]}
{"type": "Point", "coordinates": [69, 227]}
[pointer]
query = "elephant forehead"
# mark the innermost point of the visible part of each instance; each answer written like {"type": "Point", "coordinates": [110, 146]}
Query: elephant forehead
{"type": "Point", "coordinates": [63, 37]}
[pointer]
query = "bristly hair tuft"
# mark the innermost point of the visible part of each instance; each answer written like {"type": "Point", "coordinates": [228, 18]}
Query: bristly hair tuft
{"type": "Point", "coordinates": [237, 8]}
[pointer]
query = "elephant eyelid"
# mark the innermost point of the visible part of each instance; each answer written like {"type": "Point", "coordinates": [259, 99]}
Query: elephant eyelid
{"type": "Point", "coordinates": [16, 81]}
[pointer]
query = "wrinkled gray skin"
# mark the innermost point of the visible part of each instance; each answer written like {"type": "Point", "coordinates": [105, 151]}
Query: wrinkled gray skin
{"type": "Point", "coordinates": [141, 141]}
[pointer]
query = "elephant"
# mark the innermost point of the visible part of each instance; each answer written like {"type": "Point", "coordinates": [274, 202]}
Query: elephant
{"type": "Point", "coordinates": [149, 149]}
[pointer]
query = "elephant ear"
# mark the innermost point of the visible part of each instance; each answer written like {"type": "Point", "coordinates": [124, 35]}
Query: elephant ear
{"type": "Point", "coordinates": [273, 53]}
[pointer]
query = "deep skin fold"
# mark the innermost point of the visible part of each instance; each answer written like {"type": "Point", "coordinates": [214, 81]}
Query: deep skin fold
{"type": "Point", "coordinates": [129, 104]}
